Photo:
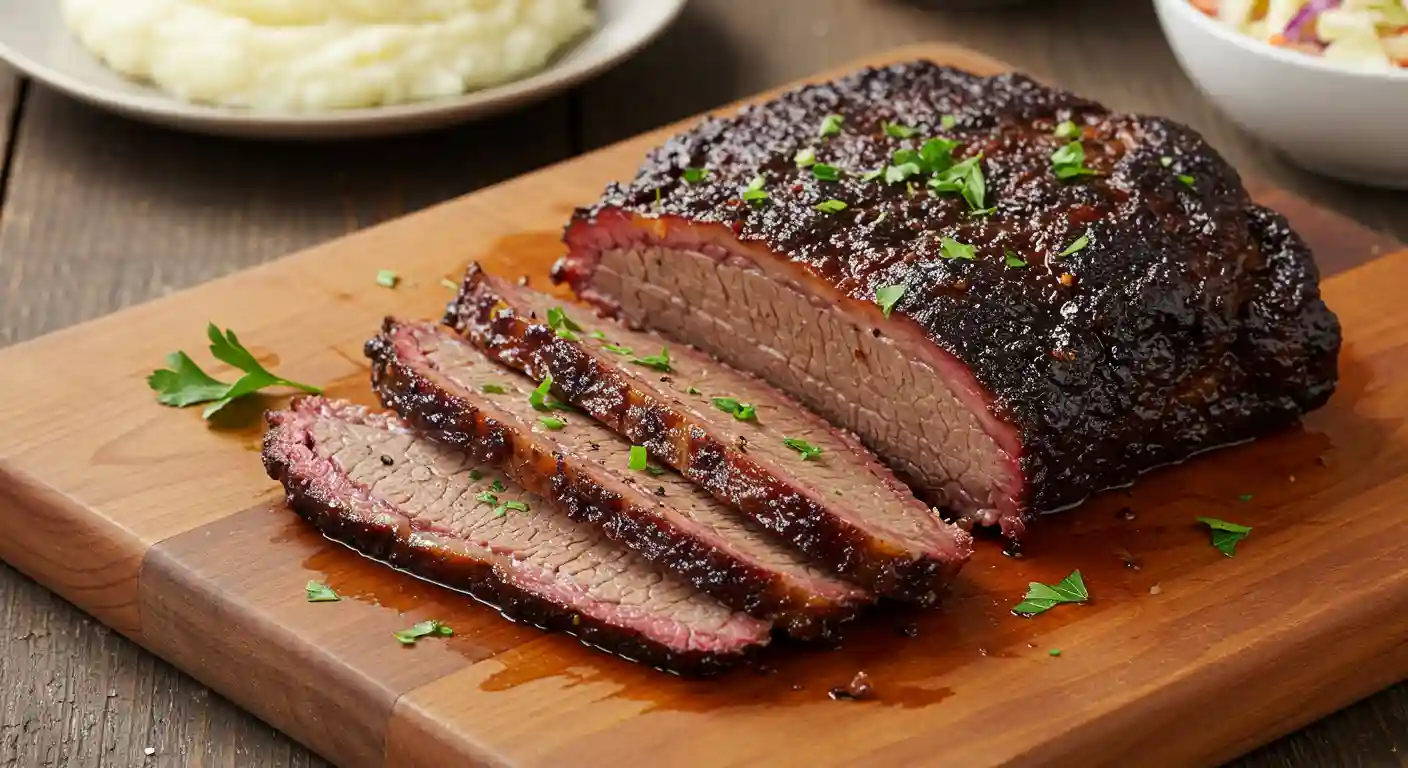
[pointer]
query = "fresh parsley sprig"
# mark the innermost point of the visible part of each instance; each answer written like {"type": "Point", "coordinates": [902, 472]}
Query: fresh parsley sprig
{"type": "Point", "coordinates": [182, 383]}
{"type": "Point", "coordinates": [1041, 598]}
{"type": "Point", "coordinates": [431, 628]}
{"type": "Point", "coordinates": [740, 410]}
{"type": "Point", "coordinates": [319, 592]}
{"type": "Point", "coordinates": [806, 449]}
{"type": "Point", "coordinates": [1225, 535]}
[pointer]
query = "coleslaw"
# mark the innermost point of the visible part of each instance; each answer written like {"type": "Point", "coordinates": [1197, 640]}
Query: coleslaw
{"type": "Point", "coordinates": [1358, 34]}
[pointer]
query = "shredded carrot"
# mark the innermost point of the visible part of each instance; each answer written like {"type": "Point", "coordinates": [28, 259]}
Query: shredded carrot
{"type": "Point", "coordinates": [1279, 40]}
{"type": "Point", "coordinates": [1208, 7]}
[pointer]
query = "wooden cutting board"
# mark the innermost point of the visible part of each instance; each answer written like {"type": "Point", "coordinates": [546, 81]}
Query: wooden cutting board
{"type": "Point", "coordinates": [165, 527]}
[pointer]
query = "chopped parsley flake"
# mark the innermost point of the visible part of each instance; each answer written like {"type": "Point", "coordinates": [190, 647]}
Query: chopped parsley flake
{"type": "Point", "coordinates": [430, 628]}
{"type": "Point", "coordinates": [740, 411]}
{"type": "Point", "coordinates": [475, 474]}
{"type": "Point", "coordinates": [387, 278]}
{"type": "Point", "coordinates": [497, 485]}
{"type": "Point", "coordinates": [1165, 161]}
{"type": "Point", "coordinates": [805, 157]}
{"type": "Point", "coordinates": [1078, 244]}
{"type": "Point", "coordinates": [1225, 535]}
{"type": "Point", "coordinates": [873, 175]}
{"type": "Point", "coordinates": [1040, 598]}
{"type": "Point", "coordinates": [754, 192]}
{"type": "Point", "coordinates": [660, 362]}
{"type": "Point", "coordinates": [830, 126]}
{"type": "Point", "coordinates": [1054, 652]}
{"type": "Point", "coordinates": [947, 122]}
{"type": "Point", "coordinates": [617, 349]}
{"type": "Point", "coordinates": [692, 391]}
{"type": "Point", "coordinates": [1189, 180]}
{"type": "Point", "coordinates": [803, 447]}
{"type": "Point", "coordinates": [552, 422]}
{"type": "Point", "coordinates": [899, 131]}
{"type": "Point", "coordinates": [638, 458]}
{"type": "Point", "coordinates": [695, 175]}
{"type": "Point", "coordinates": [952, 249]}
{"type": "Point", "coordinates": [486, 497]}
{"type": "Point", "coordinates": [831, 206]}
{"type": "Point", "coordinates": [1068, 162]}
{"type": "Point", "coordinates": [319, 592]}
{"type": "Point", "coordinates": [965, 178]}
{"type": "Point", "coordinates": [1068, 131]}
{"type": "Point", "coordinates": [539, 397]}
{"type": "Point", "coordinates": [598, 335]}
{"type": "Point", "coordinates": [502, 509]}
{"type": "Point", "coordinates": [562, 324]}
{"type": "Point", "coordinates": [448, 283]}
{"type": "Point", "coordinates": [887, 296]}
{"type": "Point", "coordinates": [1244, 497]}
{"type": "Point", "coordinates": [1013, 260]}
{"type": "Point", "coordinates": [653, 471]}
{"type": "Point", "coordinates": [493, 389]}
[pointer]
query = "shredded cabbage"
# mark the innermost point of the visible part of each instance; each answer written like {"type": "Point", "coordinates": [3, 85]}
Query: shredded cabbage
{"type": "Point", "coordinates": [1359, 34]}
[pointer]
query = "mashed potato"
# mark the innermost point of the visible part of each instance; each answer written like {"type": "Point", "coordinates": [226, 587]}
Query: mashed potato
{"type": "Point", "coordinates": [308, 55]}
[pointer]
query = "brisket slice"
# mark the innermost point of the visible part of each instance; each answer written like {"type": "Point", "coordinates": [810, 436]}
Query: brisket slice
{"type": "Point", "coordinates": [438, 382]}
{"type": "Point", "coordinates": [842, 506]}
{"type": "Point", "coordinates": [1159, 312]}
{"type": "Point", "coordinates": [366, 480]}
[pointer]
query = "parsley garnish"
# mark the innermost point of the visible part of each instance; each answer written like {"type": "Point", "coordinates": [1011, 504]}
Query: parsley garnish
{"type": "Point", "coordinates": [805, 157]}
{"type": "Point", "coordinates": [1013, 260]}
{"type": "Point", "coordinates": [1244, 497]}
{"type": "Point", "coordinates": [493, 389]}
{"type": "Point", "coordinates": [1068, 131]}
{"type": "Point", "coordinates": [503, 508]}
{"type": "Point", "coordinates": [448, 283]}
{"type": "Point", "coordinates": [319, 592]}
{"type": "Point", "coordinates": [983, 211]}
{"type": "Point", "coordinates": [937, 154]}
{"type": "Point", "coordinates": [887, 296]}
{"type": "Point", "coordinates": [947, 122]}
{"type": "Point", "coordinates": [387, 278]}
{"type": "Point", "coordinates": [830, 126]}
{"type": "Point", "coordinates": [475, 474]}
{"type": "Point", "coordinates": [1225, 535]}
{"type": "Point", "coordinates": [899, 131]}
{"type": "Point", "coordinates": [617, 349]}
{"type": "Point", "coordinates": [1041, 597]}
{"type": "Point", "coordinates": [653, 471]}
{"type": "Point", "coordinates": [660, 362]}
{"type": "Point", "coordinates": [831, 206]}
{"type": "Point", "coordinates": [1186, 179]}
{"type": "Point", "coordinates": [873, 175]}
{"type": "Point", "coordinates": [562, 324]}
{"type": "Point", "coordinates": [952, 249]}
{"type": "Point", "coordinates": [598, 335]}
{"type": "Point", "coordinates": [1054, 652]}
{"type": "Point", "coordinates": [1165, 161]}
{"type": "Point", "coordinates": [966, 178]}
{"type": "Point", "coordinates": [753, 193]}
{"type": "Point", "coordinates": [1078, 244]}
{"type": "Point", "coordinates": [497, 485]}
{"type": "Point", "coordinates": [740, 411]}
{"type": "Point", "coordinates": [487, 497]}
{"type": "Point", "coordinates": [824, 172]}
{"type": "Point", "coordinates": [803, 447]}
{"type": "Point", "coordinates": [539, 397]}
{"type": "Point", "coordinates": [183, 383]}
{"type": "Point", "coordinates": [692, 391]}
{"type": "Point", "coordinates": [552, 422]}
{"type": "Point", "coordinates": [638, 459]}
{"type": "Point", "coordinates": [695, 175]}
{"type": "Point", "coordinates": [423, 629]}
{"type": "Point", "coordinates": [894, 174]}
{"type": "Point", "coordinates": [1068, 162]}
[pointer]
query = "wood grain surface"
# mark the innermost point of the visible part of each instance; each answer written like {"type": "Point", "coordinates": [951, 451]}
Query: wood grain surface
{"type": "Point", "coordinates": [101, 213]}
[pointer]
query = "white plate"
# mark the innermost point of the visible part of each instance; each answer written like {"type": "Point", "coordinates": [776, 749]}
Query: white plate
{"type": "Point", "coordinates": [34, 40]}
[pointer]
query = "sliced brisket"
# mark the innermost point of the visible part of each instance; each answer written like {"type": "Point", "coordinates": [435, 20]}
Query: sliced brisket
{"type": "Point", "coordinates": [366, 480]}
{"type": "Point", "coordinates": [440, 383]}
{"type": "Point", "coordinates": [1106, 323]}
{"type": "Point", "coordinates": [841, 506]}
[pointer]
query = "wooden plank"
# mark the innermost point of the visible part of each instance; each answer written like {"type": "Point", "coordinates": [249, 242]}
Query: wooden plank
{"type": "Point", "coordinates": [136, 467]}
{"type": "Point", "coordinates": [102, 213]}
{"type": "Point", "coordinates": [1108, 50]}
{"type": "Point", "coordinates": [10, 93]}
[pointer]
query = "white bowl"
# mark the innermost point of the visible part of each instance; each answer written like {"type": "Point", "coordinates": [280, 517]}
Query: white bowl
{"type": "Point", "coordinates": [1339, 122]}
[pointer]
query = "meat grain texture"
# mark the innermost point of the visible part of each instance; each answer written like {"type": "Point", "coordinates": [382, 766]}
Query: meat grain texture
{"type": "Point", "coordinates": [1156, 311]}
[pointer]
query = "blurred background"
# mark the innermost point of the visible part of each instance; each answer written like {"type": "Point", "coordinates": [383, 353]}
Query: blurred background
{"type": "Point", "coordinates": [97, 213]}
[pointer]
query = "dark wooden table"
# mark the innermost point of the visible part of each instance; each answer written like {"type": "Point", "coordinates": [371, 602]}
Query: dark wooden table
{"type": "Point", "coordinates": [97, 213]}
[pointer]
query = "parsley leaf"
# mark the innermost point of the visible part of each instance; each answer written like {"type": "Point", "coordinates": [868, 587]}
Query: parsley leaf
{"type": "Point", "coordinates": [1013, 260]}
{"type": "Point", "coordinates": [1041, 597]}
{"type": "Point", "coordinates": [184, 383]}
{"type": "Point", "coordinates": [387, 278]}
{"type": "Point", "coordinates": [831, 206]}
{"type": "Point", "coordinates": [754, 193]}
{"type": "Point", "coordinates": [660, 362]}
{"type": "Point", "coordinates": [1189, 180]}
{"type": "Point", "coordinates": [493, 389]}
{"type": "Point", "coordinates": [598, 335]}
{"type": "Point", "coordinates": [966, 178]}
{"type": "Point", "coordinates": [1225, 535]}
{"type": "Point", "coordinates": [692, 391]}
{"type": "Point", "coordinates": [887, 296]}
{"type": "Point", "coordinates": [448, 283]}
{"type": "Point", "coordinates": [539, 397]}
{"type": "Point", "coordinates": [824, 172]}
{"type": "Point", "coordinates": [638, 458]}
{"type": "Point", "coordinates": [1068, 162]}
{"type": "Point", "coordinates": [653, 471]}
{"type": "Point", "coordinates": [952, 249]}
{"type": "Point", "coordinates": [319, 592]}
{"type": "Point", "coordinates": [899, 131]}
{"type": "Point", "coordinates": [805, 157]}
{"type": "Point", "coordinates": [740, 411]}
{"type": "Point", "coordinates": [1078, 244]}
{"type": "Point", "coordinates": [552, 422]}
{"type": "Point", "coordinates": [873, 175]}
{"type": "Point", "coordinates": [617, 349]}
{"type": "Point", "coordinates": [830, 126]}
{"type": "Point", "coordinates": [947, 122]}
{"type": "Point", "coordinates": [803, 447]}
{"type": "Point", "coordinates": [695, 175]}
{"type": "Point", "coordinates": [1244, 497]}
{"type": "Point", "coordinates": [894, 174]}
{"type": "Point", "coordinates": [503, 508]}
{"type": "Point", "coordinates": [562, 324]}
{"type": "Point", "coordinates": [487, 497]}
{"type": "Point", "coordinates": [431, 628]}
{"type": "Point", "coordinates": [497, 485]}
{"type": "Point", "coordinates": [1068, 131]}
{"type": "Point", "coordinates": [1165, 161]}
{"type": "Point", "coordinates": [475, 474]}
{"type": "Point", "coordinates": [937, 155]}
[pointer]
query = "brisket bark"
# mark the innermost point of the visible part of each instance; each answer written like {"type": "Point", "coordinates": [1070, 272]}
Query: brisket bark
{"type": "Point", "coordinates": [441, 384]}
{"type": "Point", "coordinates": [366, 480]}
{"type": "Point", "coordinates": [1107, 323]}
{"type": "Point", "coordinates": [839, 505]}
